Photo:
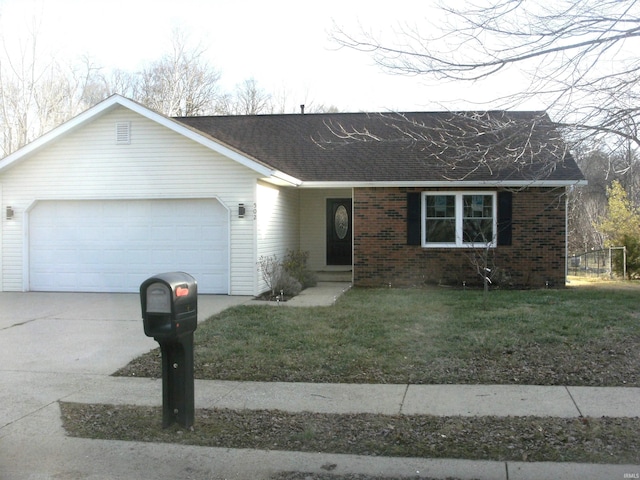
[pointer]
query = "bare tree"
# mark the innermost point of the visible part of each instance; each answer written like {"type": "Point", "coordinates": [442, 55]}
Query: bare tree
{"type": "Point", "coordinates": [110, 82]}
{"type": "Point", "coordinates": [588, 203]}
{"type": "Point", "coordinates": [37, 94]}
{"type": "Point", "coordinates": [580, 55]}
{"type": "Point", "coordinates": [181, 83]}
{"type": "Point", "coordinates": [247, 99]}
{"type": "Point", "coordinates": [465, 145]}
{"type": "Point", "coordinates": [251, 99]}
{"type": "Point", "coordinates": [19, 75]}
{"type": "Point", "coordinates": [626, 167]}
{"type": "Point", "coordinates": [584, 209]}
{"type": "Point", "coordinates": [577, 56]}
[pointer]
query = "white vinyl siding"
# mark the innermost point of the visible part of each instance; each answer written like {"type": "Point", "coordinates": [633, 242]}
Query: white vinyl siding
{"type": "Point", "coordinates": [277, 211]}
{"type": "Point", "coordinates": [3, 219]}
{"type": "Point", "coordinates": [157, 164]}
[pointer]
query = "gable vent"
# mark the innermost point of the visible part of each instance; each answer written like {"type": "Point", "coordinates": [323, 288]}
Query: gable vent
{"type": "Point", "coordinates": [123, 133]}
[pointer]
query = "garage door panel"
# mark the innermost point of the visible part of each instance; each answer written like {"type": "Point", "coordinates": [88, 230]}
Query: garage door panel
{"type": "Point", "coordinates": [66, 281]}
{"type": "Point", "coordinates": [189, 232]}
{"type": "Point", "coordinates": [113, 246]}
{"type": "Point", "coordinates": [218, 258]}
{"type": "Point", "coordinates": [165, 233]}
{"type": "Point", "coordinates": [213, 233]}
{"type": "Point", "coordinates": [214, 280]}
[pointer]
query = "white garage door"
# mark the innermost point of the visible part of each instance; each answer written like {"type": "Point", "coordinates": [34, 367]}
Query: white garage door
{"type": "Point", "coordinates": [113, 246]}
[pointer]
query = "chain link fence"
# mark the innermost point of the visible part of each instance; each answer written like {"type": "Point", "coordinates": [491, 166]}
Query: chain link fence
{"type": "Point", "coordinates": [596, 263]}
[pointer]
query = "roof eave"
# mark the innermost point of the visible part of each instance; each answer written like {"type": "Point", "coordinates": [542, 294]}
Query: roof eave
{"type": "Point", "coordinates": [446, 183]}
{"type": "Point", "coordinates": [282, 179]}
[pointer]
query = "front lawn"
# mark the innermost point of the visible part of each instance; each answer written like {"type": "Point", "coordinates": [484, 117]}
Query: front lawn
{"type": "Point", "coordinates": [585, 335]}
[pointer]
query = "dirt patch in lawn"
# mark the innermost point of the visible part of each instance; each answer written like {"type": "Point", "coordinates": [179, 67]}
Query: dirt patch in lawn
{"type": "Point", "coordinates": [599, 362]}
{"type": "Point", "coordinates": [601, 440]}
{"type": "Point", "coordinates": [582, 336]}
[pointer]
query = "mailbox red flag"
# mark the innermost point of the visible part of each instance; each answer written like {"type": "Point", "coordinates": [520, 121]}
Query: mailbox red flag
{"type": "Point", "coordinates": [182, 291]}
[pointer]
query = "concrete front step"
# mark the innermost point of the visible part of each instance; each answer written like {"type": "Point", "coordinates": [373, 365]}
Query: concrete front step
{"type": "Point", "coordinates": [334, 276]}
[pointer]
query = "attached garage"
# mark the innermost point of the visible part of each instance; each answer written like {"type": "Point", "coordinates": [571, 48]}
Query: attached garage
{"type": "Point", "coordinates": [114, 245]}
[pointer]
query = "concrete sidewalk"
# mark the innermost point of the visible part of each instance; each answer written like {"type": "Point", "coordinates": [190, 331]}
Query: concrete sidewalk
{"type": "Point", "coordinates": [63, 347]}
{"type": "Point", "coordinates": [439, 400]}
{"type": "Point", "coordinates": [35, 446]}
{"type": "Point", "coordinates": [324, 294]}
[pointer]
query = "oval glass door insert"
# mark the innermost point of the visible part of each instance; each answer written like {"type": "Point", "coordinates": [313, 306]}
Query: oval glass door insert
{"type": "Point", "coordinates": [341, 220]}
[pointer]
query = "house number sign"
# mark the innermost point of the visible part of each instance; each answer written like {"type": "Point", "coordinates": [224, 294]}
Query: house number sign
{"type": "Point", "coordinates": [341, 220]}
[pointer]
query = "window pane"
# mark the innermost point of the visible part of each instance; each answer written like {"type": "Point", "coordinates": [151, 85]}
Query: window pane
{"type": "Point", "coordinates": [478, 206]}
{"type": "Point", "coordinates": [440, 219]}
{"type": "Point", "coordinates": [441, 206]}
{"type": "Point", "coordinates": [477, 231]}
{"type": "Point", "coordinates": [477, 222]}
{"type": "Point", "coordinates": [441, 231]}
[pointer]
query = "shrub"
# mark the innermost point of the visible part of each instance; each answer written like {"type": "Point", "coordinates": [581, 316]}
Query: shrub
{"type": "Point", "coordinates": [278, 278]}
{"type": "Point", "coordinates": [295, 264]}
{"type": "Point", "coordinates": [287, 285]}
{"type": "Point", "coordinates": [632, 244]}
{"type": "Point", "coordinates": [271, 271]}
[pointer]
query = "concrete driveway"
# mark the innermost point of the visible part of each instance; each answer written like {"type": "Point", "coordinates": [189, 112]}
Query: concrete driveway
{"type": "Point", "coordinates": [54, 344]}
{"type": "Point", "coordinates": [92, 333]}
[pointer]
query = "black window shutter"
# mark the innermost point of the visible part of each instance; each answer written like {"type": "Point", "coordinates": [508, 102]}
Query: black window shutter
{"type": "Point", "coordinates": [414, 212]}
{"type": "Point", "coordinates": [505, 200]}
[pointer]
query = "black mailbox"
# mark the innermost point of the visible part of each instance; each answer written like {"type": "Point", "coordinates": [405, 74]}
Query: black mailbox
{"type": "Point", "coordinates": [169, 305]}
{"type": "Point", "coordinates": [170, 315]}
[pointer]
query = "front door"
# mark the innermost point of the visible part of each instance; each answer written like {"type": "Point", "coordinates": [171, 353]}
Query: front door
{"type": "Point", "coordinates": [339, 245]}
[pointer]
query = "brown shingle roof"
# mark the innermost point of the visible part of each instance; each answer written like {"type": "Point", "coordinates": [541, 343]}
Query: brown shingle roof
{"type": "Point", "coordinates": [408, 147]}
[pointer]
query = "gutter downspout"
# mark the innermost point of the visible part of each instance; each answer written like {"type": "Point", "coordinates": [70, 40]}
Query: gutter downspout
{"type": "Point", "coordinates": [566, 237]}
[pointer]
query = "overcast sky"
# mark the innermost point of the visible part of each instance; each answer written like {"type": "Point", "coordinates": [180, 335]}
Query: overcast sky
{"type": "Point", "coordinates": [283, 45]}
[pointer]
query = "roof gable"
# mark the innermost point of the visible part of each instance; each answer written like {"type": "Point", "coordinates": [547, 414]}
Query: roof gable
{"type": "Point", "coordinates": [118, 101]}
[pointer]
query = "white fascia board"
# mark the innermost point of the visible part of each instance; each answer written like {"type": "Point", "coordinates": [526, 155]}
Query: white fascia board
{"type": "Point", "coordinates": [448, 184]}
{"type": "Point", "coordinates": [280, 178]}
{"type": "Point", "coordinates": [118, 100]}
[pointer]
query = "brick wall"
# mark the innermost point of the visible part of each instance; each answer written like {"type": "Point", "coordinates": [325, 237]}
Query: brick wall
{"type": "Point", "coordinates": [382, 256]}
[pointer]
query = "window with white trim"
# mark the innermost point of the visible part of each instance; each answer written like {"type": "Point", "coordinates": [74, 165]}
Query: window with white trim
{"type": "Point", "coordinates": [459, 219]}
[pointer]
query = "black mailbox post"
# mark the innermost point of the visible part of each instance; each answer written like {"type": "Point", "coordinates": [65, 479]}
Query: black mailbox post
{"type": "Point", "coordinates": [170, 315]}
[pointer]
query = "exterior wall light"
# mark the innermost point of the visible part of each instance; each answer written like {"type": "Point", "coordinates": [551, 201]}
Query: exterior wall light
{"type": "Point", "coordinates": [9, 212]}
{"type": "Point", "coordinates": [241, 210]}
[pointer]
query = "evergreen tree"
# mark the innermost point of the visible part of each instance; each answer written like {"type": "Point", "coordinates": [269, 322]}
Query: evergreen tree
{"type": "Point", "coordinates": [621, 227]}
